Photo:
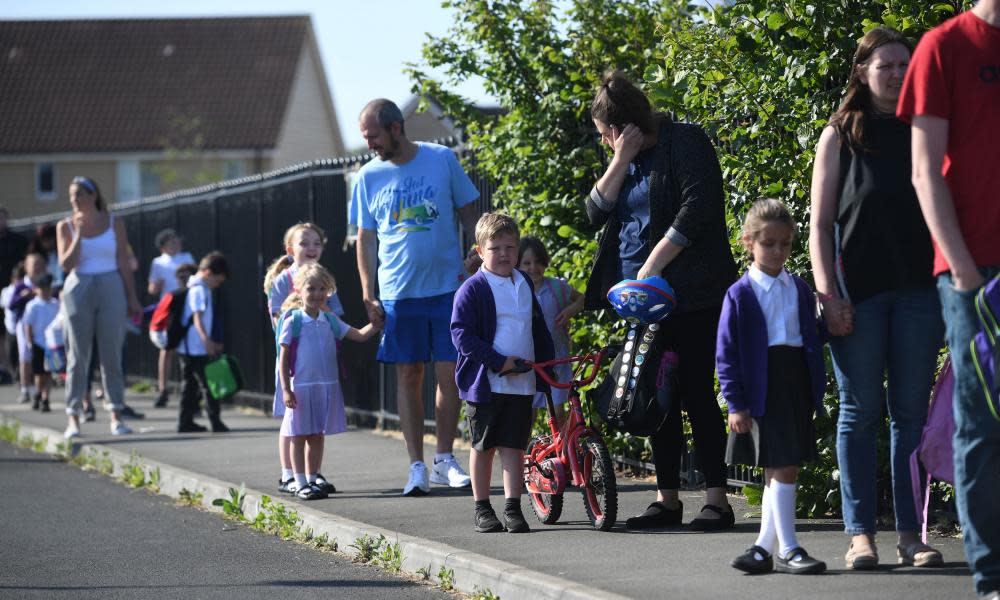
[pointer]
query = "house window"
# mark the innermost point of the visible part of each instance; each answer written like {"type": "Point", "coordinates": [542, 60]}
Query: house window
{"type": "Point", "coordinates": [234, 169]}
{"type": "Point", "coordinates": [129, 180]}
{"type": "Point", "coordinates": [45, 181]}
{"type": "Point", "coordinates": [149, 181]}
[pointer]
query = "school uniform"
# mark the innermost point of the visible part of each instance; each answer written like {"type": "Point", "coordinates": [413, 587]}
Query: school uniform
{"type": "Point", "coordinates": [769, 357]}
{"type": "Point", "coordinates": [492, 318]}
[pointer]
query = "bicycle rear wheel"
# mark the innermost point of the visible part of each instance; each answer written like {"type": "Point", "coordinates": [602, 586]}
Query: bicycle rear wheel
{"type": "Point", "coordinates": [547, 507]}
{"type": "Point", "coordinates": [600, 490]}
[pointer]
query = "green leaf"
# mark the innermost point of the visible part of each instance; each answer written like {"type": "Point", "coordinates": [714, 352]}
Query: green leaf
{"type": "Point", "coordinates": [776, 19]}
{"type": "Point", "coordinates": [565, 231]}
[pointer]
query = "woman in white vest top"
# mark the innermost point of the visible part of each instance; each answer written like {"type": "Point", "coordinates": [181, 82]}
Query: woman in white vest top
{"type": "Point", "coordinates": [98, 294]}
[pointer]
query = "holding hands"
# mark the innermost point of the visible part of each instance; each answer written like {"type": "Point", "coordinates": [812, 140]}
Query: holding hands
{"type": "Point", "coordinates": [839, 315]}
{"type": "Point", "coordinates": [740, 422]}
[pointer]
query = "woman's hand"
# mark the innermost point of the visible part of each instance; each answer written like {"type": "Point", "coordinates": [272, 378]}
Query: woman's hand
{"type": "Point", "coordinates": [839, 315]}
{"type": "Point", "coordinates": [290, 401]}
{"type": "Point", "coordinates": [627, 142]}
{"type": "Point", "coordinates": [76, 219]}
{"type": "Point", "coordinates": [740, 422]}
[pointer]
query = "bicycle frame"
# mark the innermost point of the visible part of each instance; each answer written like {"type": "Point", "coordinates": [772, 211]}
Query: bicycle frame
{"type": "Point", "coordinates": [575, 427]}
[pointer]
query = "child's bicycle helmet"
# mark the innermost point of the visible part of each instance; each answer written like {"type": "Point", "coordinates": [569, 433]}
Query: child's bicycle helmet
{"type": "Point", "coordinates": [643, 301]}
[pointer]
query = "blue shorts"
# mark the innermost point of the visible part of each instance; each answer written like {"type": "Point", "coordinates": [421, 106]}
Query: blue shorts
{"type": "Point", "coordinates": [418, 330]}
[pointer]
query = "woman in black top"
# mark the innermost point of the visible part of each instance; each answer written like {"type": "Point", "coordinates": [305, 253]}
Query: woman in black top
{"type": "Point", "coordinates": [871, 258]}
{"type": "Point", "coordinates": [660, 202]}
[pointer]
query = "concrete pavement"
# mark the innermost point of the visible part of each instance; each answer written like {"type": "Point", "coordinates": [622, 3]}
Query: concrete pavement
{"type": "Point", "coordinates": [566, 560]}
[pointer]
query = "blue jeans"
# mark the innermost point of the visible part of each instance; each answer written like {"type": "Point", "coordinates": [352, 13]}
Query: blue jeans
{"type": "Point", "coordinates": [900, 331]}
{"type": "Point", "coordinates": [976, 442]}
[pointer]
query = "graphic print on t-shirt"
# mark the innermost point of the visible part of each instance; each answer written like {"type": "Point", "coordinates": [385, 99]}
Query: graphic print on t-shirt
{"type": "Point", "coordinates": [410, 204]}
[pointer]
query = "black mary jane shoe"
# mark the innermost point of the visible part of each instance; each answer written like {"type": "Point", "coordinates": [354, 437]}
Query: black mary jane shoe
{"type": "Point", "coordinates": [748, 562]}
{"type": "Point", "coordinates": [726, 519]}
{"type": "Point", "coordinates": [655, 516]}
{"type": "Point", "coordinates": [799, 562]}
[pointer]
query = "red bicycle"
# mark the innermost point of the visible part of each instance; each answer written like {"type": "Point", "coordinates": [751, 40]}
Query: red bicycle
{"type": "Point", "coordinates": [573, 455]}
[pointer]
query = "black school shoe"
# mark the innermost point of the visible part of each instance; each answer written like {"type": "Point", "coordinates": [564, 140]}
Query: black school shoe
{"type": "Point", "coordinates": [749, 563]}
{"type": "Point", "coordinates": [310, 492]}
{"type": "Point", "coordinates": [487, 521]}
{"type": "Point", "coordinates": [726, 520]}
{"type": "Point", "coordinates": [514, 521]}
{"type": "Point", "coordinates": [161, 400]}
{"type": "Point", "coordinates": [656, 515]}
{"type": "Point", "coordinates": [191, 427]}
{"type": "Point", "coordinates": [799, 562]}
{"type": "Point", "coordinates": [128, 412]}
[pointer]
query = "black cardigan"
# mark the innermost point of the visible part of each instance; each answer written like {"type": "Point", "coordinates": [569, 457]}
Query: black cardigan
{"type": "Point", "coordinates": [685, 191]}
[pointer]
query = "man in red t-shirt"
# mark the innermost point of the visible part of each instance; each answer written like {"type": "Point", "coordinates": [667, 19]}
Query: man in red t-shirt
{"type": "Point", "coordinates": [951, 96]}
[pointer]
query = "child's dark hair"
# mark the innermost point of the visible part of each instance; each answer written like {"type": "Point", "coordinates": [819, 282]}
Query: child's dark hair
{"type": "Point", "coordinates": [43, 281]}
{"type": "Point", "coordinates": [20, 270]}
{"type": "Point", "coordinates": [216, 263]}
{"type": "Point", "coordinates": [164, 236]}
{"type": "Point", "coordinates": [184, 271]}
{"type": "Point", "coordinates": [535, 245]}
{"type": "Point", "coordinates": [762, 212]}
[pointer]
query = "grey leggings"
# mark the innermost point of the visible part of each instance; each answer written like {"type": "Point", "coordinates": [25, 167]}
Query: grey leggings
{"type": "Point", "coordinates": [95, 305]}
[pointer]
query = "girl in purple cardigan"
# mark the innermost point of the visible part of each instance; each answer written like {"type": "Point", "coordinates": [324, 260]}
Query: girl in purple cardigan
{"type": "Point", "coordinates": [770, 361]}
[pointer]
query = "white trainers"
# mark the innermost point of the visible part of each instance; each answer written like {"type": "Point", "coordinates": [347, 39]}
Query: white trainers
{"type": "Point", "coordinates": [417, 485]}
{"type": "Point", "coordinates": [449, 472]}
{"type": "Point", "coordinates": [119, 428]}
{"type": "Point", "coordinates": [72, 431]}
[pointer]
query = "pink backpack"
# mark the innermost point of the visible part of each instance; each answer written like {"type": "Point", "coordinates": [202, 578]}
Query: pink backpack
{"type": "Point", "coordinates": [935, 448]}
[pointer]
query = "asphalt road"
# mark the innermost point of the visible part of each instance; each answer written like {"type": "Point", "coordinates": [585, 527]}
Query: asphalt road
{"type": "Point", "coordinates": [67, 533]}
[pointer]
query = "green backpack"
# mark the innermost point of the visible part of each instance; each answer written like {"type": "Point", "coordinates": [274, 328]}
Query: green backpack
{"type": "Point", "coordinates": [224, 376]}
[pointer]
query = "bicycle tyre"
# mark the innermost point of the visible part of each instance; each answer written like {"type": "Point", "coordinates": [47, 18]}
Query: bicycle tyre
{"type": "Point", "coordinates": [600, 491]}
{"type": "Point", "coordinates": [547, 507]}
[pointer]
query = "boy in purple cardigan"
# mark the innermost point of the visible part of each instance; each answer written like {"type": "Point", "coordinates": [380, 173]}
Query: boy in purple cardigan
{"type": "Point", "coordinates": [495, 322]}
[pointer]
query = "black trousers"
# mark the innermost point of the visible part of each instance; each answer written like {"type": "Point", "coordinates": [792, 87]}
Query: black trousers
{"type": "Point", "coordinates": [692, 335]}
{"type": "Point", "coordinates": [194, 382]}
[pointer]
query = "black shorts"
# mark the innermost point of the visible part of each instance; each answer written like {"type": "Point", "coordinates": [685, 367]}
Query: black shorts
{"type": "Point", "coordinates": [37, 359]}
{"type": "Point", "coordinates": [504, 421]}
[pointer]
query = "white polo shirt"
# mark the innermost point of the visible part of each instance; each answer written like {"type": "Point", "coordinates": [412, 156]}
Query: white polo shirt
{"type": "Point", "coordinates": [512, 297]}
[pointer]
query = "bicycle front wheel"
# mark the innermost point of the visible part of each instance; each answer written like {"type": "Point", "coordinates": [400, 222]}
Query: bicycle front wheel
{"type": "Point", "coordinates": [600, 489]}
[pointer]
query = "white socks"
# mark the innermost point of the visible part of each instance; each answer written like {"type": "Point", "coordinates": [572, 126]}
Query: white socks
{"type": "Point", "coordinates": [300, 478]}
{"type": "Point", "coordinates": [768, 534]}
{"type": "Point", "coordinates": [311, 477]}
{"type": "Point", "coordinates": [287, 474]}
{"type": "Point", "coordinates": [783, 514]}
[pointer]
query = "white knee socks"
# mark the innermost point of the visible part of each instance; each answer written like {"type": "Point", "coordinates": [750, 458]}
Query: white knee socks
{"type": "Point", "coordinates": [768, 534]}
{"type": "Point", "coordinates": [783, 513]}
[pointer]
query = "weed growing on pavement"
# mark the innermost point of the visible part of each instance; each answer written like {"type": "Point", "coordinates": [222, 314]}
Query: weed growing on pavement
{"type": "Point", "coordinates": [424, 573]}
{"type": "Point", "coordinates": [94, 461]}
{"type": "Point", "coordinates": [232, 506]}
{"type": "Point", "coordinates": [446, 579]}
{"type": "Point", "coordinates": [142, 387]}
{"type": "Point", "coordinates": [9, 431]}
{"type": "Point", "coordinates": [390, 556]}
{"type": "Point", "coordinates": [153, 481]}
{"type": "Point", "coordinates": [275, 517]}
{"type": "Point", "coordinates": [186, 496]}
{"type": "Point", "coordinates": [479, 593]}
{"type": "Point", "coordinates": [26, 441]}
{"type": "Point", "coordinates": [133, 475]}
{"type": "Point", "coordinates": [64, 450]}
{"type": "Point", "coordinates": [367, 547]}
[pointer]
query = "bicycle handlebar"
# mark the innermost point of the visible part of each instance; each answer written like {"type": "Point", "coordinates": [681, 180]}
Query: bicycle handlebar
{"type": "Point", "coordinates": [593, 358]}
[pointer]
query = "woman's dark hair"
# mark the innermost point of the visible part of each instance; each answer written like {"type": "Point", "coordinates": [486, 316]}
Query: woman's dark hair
{"type": "Point", "coordinates": [849, 120]}
{"type": "Point", "coordinates": [536, 247]}
{"type": "Point", "coordinates": [91, 186]}
{"type": "Point", "coordinates": [618, 102]}
{"type": "Point", "coordinates": [43, 232]}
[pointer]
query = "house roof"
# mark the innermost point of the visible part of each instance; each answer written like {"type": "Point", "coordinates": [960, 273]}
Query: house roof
{"type": "Point", "coordinates": [146, 84]}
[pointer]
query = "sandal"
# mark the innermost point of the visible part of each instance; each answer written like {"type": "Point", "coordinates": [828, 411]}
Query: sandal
{"type": "Point", "coordinates": [310, 492]}
{"type": "Point", "coordinates": [918, 554]}
{"type": "Point", "coordinates": [861, 559]}
{"type": "Point", "coordinates": [726, 520]}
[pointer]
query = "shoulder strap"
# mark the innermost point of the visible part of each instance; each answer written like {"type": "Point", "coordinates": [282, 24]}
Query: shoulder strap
{"type": "Point", "coordinates": [296, 324]}
{"type": "Point", "coordinates": [333, 324]}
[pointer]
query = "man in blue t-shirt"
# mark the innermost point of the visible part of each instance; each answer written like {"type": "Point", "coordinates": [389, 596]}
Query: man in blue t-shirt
{"type": "Point", "coordinates": [404, 204]}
